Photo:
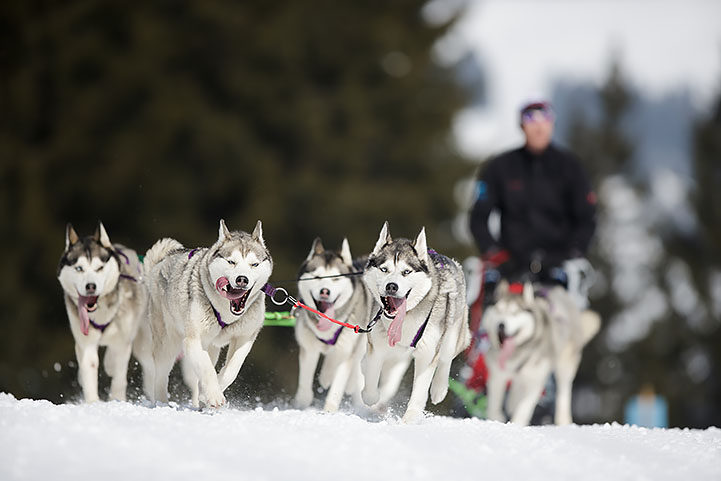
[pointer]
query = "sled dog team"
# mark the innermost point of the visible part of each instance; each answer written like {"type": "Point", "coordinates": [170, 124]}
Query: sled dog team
{"type": "Point", "coordinates": [187, 304]}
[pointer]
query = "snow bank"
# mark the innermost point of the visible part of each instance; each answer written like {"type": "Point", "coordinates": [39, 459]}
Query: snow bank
{"type": "Point", "coordinates": [123, 441]}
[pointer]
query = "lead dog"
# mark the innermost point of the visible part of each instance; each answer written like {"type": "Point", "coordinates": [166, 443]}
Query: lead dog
{"type": "Point", "coordinates": [199, 301]}
{"type": "Point", "coordinates": [323, 282]}
{"type": "Point", "coordinates": [104, 299]}
{"type": "Point", "coordinates": [424, 318]}
{"type": "Point", "coordinates": [531, 336]}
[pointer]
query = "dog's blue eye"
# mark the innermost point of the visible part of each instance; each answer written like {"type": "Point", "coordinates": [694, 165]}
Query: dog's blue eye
{"type": "Point", "coordinates": [255, 264]}
{"type": "Point", "coordinates": [232, 263]}
{"type": "Point", "coordinates": [383, 269]}
{"type": "Point", "coordinates": [78, 269]}
{"type": "Point", "coordinates": [406, 272]}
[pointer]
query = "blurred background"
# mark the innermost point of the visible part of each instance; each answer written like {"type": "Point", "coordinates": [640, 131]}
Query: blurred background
{"type": "Point", "coordinates": [326, 118]}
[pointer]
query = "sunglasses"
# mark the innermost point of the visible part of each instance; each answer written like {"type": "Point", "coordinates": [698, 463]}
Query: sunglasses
{"type": "Point", "coordinates": [536, 115]}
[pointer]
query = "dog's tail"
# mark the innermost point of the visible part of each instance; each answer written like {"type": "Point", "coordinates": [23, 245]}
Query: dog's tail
{"type": "Point", "coordinates": [158, 252]}
{"type": "Point", "coordinates": [590, 324]}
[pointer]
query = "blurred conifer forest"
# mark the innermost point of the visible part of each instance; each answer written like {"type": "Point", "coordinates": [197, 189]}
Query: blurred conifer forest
{"type": "Point", "coordinates": [321, 118]}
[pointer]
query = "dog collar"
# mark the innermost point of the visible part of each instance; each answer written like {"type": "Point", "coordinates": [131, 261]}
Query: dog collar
{"type": "Point", "coordinates": [99, 327]}
{"type": "Point", "coordinates": [217, 317]}
{"type": "Point", "coordinates": [332, 340]}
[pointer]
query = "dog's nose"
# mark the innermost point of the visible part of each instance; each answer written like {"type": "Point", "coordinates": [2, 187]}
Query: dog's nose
{"type": "Point", "coordinates": [241, 281]}
{"type": "Point", "coordinates": [90, 287]}
{"type": "Point", "coordinates": [391, 289]}
{"type": "Point", "coordinates": [501, 332]}
{"type": "Point", "coordinates": [325, 292]}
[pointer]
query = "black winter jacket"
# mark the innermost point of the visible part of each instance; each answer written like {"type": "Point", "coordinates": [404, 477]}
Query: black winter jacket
{"type": "Point", "coordinates": [546, 205]}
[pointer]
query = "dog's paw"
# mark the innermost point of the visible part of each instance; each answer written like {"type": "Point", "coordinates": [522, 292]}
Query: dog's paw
{"type": "Point", "coordinates": [214, 399]}
{"type": "Point", "coordinates": [370, 396]}
{"type": "Point", "coordinates": [412, 416]}
{"type": "Point", "coordinates": [331, 406]}
{"type": "Point", "coordinates": [438, 393]}
{"type": "Point", "coordinates": [303, 399]}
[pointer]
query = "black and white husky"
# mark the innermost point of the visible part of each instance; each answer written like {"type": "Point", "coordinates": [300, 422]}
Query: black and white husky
{"type": "Point", "coordinates": [534, 334]}
{"type": "Point", "coordinates": [199, 301]}
{"type": "Point", "coordinates": [104, 299]}
{"type": "Point", "coordinates": [325, 285]}
{"type": "Point", "coordinates": [424, 318]}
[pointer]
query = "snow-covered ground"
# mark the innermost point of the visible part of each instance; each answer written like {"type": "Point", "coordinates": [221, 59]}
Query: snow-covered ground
{"type": "Point", "coordinates": [123, 441]}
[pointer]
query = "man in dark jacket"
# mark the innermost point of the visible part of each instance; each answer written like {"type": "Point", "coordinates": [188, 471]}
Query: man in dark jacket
{"type": "Point", "coordinates": [546, 205]}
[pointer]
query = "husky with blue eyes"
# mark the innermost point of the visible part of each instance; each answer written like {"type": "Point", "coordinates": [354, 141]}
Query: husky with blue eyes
{"type": "Point", "coordinates": [104, 298]}
{"type": "Point", "coordinates": [422, 316]}
{"type": "Point", "coordinates": [201, 300]}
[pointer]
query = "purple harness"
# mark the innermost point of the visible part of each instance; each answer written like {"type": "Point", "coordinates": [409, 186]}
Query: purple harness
{"type": "Point", "coordinates": [99, 327]}
{"type": "Point", "coordinates": [420, 332]}
{"type": "Point", "coordinates": [332, 340]}
{"type": "Point", "coordinates": [217, 314]}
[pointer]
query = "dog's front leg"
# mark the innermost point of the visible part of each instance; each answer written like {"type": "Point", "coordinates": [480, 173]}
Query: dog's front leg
{"type": "Point", "coordinates": [422, 377]}
{"type": "Point", "coordinates": [337, 387]}
{"type": "Point", "coordinates": [87, 356]}
{"type": "Point", "coordinates": [372, 365]}
{"type": "Point", "coordinates": [116, 365]}
{"type": "Point", "coordinates": [237, 352]}
{"type": "Point", "coordinates": [199, 360]}
{"type": "Point", "coordinates": [307, 362]}
{"type": "Point", "coordinates": [496, 393]}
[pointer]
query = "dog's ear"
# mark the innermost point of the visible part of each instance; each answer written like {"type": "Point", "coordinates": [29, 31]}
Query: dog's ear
{"type": "Point", "coordinates": [258, 233]}
{"type": "Point", "coordinates": [528, 294]}
{"type": "Point", "coordinates": [421, 246]}
{"type": "Point", "coordinates": [71, 237]}
{"type": "Point", "coordinates": [316, 249]}
{"type": "Point", "coordinates": [383, 239]}
{"type": "Point", "coordinates": [102, 235]}
{"type": "Point", "coordinates": [223, 232]}
{"type": "Point", "coordinates": [501, 290]}
{"type": "Point", "coordinates": [345, 253]}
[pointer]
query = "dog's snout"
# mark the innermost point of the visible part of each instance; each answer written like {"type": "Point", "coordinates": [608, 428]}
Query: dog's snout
{"type": "Point", "coordinates": [391, 289]}
{"type": "Point", "coordinates": [325, 292]}
{"type": "Point", "coordinates": [90, 287]}
{"type": "Point", "coordinates": [501, 332]}
{"type": "Point", "coordinates": [241, 281]}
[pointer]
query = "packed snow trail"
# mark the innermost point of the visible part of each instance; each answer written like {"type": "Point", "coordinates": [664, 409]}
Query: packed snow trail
{"type": "Point", "coordinates": [123, 441]}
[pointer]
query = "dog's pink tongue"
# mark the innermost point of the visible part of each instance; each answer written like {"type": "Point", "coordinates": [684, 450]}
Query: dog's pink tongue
{"type": "Point", "coordinates": [329, 310]}
{"type": "Point", "coordinates": [231, 293]}
{"type": "Point", "coordinates": [396, 329]}
{"type": "Point", "coordinates": [509, 345]}
{"type": "Point", "coordinates": [83, 314]}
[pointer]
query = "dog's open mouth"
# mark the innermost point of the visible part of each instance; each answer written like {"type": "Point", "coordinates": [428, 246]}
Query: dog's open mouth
{"type": "Point", "coordinates": [394, 308]}
{"type": "Point", "coordinates": [237, 297]}
{"type": "Point", "coordinates": [86, 305]}
{"type": "Point", "coordinates": [328, 308]}
{"type": "Point", "coordinates": [391, 305]}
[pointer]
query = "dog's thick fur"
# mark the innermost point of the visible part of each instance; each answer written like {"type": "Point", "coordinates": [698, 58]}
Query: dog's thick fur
{"type": "Point", "coordinates": [343, 298]}
{"type": "Point", "coordinates": [199, 301]}
{"type": "Point", "coordinates": [531, 337]}
{"type": "Point", "coordinates": [104, 299]}
{"type": "Point", "coordinates": [416, 288]}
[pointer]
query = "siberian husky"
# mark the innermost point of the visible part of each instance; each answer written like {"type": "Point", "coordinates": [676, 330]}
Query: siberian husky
{"type": "Point", "coordinates": [104, 298]}
{"type": "Point", "coordinates": [533, 335]}
{"type": "Point", "coordinates": [199, 301]}
{"type": "Point", "coordinates": [424, 317]}
{"type": "Point", "coordinates": [324, 283]}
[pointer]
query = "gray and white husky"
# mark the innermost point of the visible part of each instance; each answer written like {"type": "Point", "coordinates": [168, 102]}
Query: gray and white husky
{"type": "Point", "coordinates": [533, 334]}
{"type": "Point", "coordinates": [104, 298]}
{"type": "Point", "coordinates": [199, 301]}
{"type": "Point", "coordinates": [340, 297]}
{"type": "Point", "coordinates": [424, 317]}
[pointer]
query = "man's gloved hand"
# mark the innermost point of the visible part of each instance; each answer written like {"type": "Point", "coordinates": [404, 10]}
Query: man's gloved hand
{"type": "Point", "coordinates": [495, 257]}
